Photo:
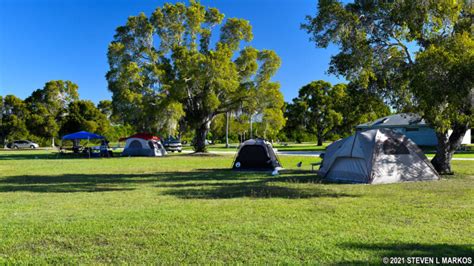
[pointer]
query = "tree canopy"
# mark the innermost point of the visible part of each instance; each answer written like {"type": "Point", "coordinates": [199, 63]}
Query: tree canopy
{"type": "Point", "coordinates": [394, 48]}
{"type": "Point", "coordinates": [167, 64]}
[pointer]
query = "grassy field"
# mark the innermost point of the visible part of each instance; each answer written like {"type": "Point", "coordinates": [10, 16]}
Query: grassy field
{"type": "Point", "coordinates": [469, 154]}
{"type": "Point", "coordinates": [192, 209]}
{"type": "Point", "coordinates": [288, 147]}
{"type": "Point", "coordinates": [308, 147]}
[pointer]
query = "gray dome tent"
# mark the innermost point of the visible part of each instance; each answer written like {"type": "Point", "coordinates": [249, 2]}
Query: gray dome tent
{"type": "Point", "coordinates": [143, 144]}
{"type": "Point", "coordinates": [255, 154]}
{"type": "Point", "coordinates": [376, 156]}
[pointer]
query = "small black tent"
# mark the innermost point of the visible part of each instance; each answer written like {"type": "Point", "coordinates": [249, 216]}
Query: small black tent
{"type": "Point", "coordinates": [256, 154]}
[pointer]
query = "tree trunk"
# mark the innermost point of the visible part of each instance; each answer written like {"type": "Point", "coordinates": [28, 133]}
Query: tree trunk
{"type": "Point", "coordinates": [265, 131]}
{"type": "Point", "coordinates": [251, 130]}
{"type": "Point", "coordinates": [200, 137]}
{"type": "Point", "coordinates": [320, 142]}
{"type": "Point", "coordinates": [227, 130]}
{"type": "Point", "coordinates": [320, 139]}
{"type": "Point", "coordinates": [447, 145]}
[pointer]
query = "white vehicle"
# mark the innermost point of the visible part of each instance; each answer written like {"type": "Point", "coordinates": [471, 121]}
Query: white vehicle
{"type": "Point", "coordinates": [23, 144]}
{"type": "Point", "coordinates": [173, 144]}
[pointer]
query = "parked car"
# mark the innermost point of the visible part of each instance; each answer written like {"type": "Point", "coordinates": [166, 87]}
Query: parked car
{"type": "Point", "coordinates": [172, 144]}
{"type": "Point", "coordinates": [22, 144]}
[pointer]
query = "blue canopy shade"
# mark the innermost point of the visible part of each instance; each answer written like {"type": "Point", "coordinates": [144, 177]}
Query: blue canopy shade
{"type": "Point", "coordinates": [83, 135]}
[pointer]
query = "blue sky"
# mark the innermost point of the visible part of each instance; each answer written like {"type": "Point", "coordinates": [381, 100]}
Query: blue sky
{"type": "Point", "coordinates": [43, 40]}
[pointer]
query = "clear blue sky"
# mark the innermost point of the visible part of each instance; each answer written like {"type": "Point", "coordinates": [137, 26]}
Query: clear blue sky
{"type": "Point", "coordinates": [43, 40]}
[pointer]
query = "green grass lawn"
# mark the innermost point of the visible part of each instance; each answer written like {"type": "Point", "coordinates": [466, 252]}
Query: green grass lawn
{"type": "Point", "coordinates": [191, 209]}
{"type": "Point", "coordinates": [288, 147]}
{"type": "Point", "coordinates": [308, 147]}
{"type": "Point", "coordinates": [469, 154]}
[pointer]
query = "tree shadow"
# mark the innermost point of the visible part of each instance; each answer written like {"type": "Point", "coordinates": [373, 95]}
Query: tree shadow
{"type": "Point", "coordinates": [263, 185]}
{"type": "Point", "coordinates": [70, 179]}
{"type": "Point", "coordinates": [200, 154]}
{"type": "Point", "coordinates": [405, 250]}
{"type": "Point", "coordinates": [26, 155]}
{"type": "Point", "coordinates": [69, 183]}
{"type": "Point", "coordinates": [49, 155]}
{"type": "Point", "coordinates": [200, 175]}
{"type": "Point", "coordinates": [59, 188]}
{"type": "Point", "coordinates": [197, 184]}
{"type": "Point", "coordinates": [260, 189]}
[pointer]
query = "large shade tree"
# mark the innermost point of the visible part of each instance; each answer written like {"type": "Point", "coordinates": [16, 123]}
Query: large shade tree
{"type": "Point", "coordinates": [417, 54]}
{"type": "Point", "coordinates": [167, 62]}
{"type": "Point", "coordinates": [48, 106]}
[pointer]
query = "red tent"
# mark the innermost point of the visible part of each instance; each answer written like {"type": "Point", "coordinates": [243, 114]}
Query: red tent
{"type": "Point", "coordinates": [145, 136]}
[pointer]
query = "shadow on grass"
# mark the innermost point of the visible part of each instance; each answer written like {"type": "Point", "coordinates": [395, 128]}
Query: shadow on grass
{"type": "Point", "coordinates": [52, 155]}
{"type": "Point", "coordinates": [26, 155]}
{"type": "Point", "coordinates": [405, 250]}
{"type": "Point", "coordinates": [33, 155]}
{"type": "Point", "coordinates": [261, 186]}
{"type": "Point", "coordinates": [198, 184]}
{"type": "Point", "coordinates": [252, 190]}
{"type": "Point", "coordinates": [59, 188]}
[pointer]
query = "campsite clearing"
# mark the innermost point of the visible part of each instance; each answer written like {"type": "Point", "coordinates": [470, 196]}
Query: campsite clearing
{"type": "Point", "coordinates": [308, 147]}
{"type": "Point", "coordinates": [280, 147]}
{"type": "Point", "coordinates": [193, 209]}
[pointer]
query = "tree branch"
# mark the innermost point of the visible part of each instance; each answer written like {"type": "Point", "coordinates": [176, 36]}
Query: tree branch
{"type": "Point", "coordinates": [405, 49]}
{"type": "Point", "coordinates": [225, 107]}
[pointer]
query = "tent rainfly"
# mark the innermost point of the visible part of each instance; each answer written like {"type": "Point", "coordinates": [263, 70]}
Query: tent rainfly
{"type": "Point", "coordinates": [143, 144]}
{"type": "Point", "coordinates": [256, 154]}
{"type": "Point", "coordinates": [376, 156]}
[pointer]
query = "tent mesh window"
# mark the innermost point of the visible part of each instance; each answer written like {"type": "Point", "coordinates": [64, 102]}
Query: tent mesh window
{"type": "Point", "coordinates": [152, 146]}
{"type": "Point", "coordinates": [394, 147]}
{"type": "Point", "coordinates": [135, 145]}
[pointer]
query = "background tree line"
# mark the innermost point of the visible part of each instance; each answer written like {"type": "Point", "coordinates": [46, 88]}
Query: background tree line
{"type": "Point", "coordinates": [325, 112]}
{"type": "Point", "coordinates": [54, 111]}
{"type": "Point", "coordinates": [320, 112]}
